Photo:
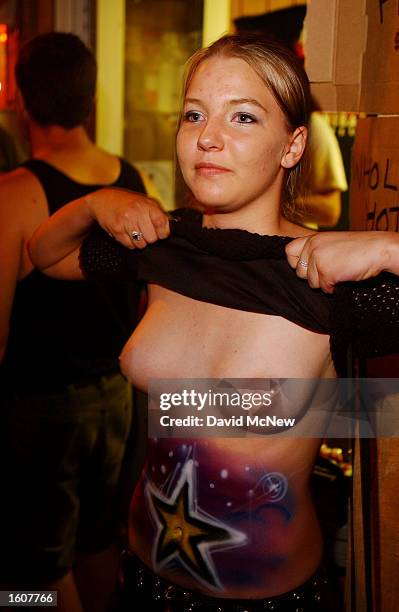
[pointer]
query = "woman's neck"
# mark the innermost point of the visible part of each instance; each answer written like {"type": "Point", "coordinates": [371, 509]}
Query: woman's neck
{"type": "Point", "coordinates": [265, 223]}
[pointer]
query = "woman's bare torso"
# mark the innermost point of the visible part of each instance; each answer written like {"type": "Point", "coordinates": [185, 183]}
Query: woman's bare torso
{"type": "Point", "coordinates": [230, 517]}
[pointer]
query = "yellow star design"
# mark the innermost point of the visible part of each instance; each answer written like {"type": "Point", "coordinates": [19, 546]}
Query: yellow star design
{"type": "Point", "coordinates": [186, 535]}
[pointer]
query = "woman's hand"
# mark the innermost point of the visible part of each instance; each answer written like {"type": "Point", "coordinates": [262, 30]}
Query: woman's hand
{"type": "Point", "coordinates": [133, 219]}
{"type": "Point", "coordinates": [329, 258]}
{"type": "Point", "coordinates": [54, 247]}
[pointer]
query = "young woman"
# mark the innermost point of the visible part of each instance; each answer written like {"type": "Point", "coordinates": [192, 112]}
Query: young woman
{"type": "Point", "coordinates": [207, 530]}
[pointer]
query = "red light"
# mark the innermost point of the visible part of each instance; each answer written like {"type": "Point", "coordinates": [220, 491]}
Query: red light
{"type": "Point", "coordinates": [3, 65]}
{"type": "Point", "coordinates": [3, 33]}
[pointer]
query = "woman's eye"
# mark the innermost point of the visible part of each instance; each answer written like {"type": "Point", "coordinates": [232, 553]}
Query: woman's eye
{"type": "Point", "coordinates": [244, 118]}
{"type": "Point", "coordinates": [192, 116]}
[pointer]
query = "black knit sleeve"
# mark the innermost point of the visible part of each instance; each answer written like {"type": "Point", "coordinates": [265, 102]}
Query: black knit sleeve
{"type": "Point", "coordinates": [366, 316]}
{"type": "Point", "coordinates": [375, 315]}
{"type": "Point", "coordinates": [364, 320]}
{"type": "Point", "coordinates": [103, 257]}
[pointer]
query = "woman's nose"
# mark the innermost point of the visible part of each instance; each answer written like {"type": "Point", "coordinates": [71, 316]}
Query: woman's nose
{"type": "Point", "coordinates": [211, 136]}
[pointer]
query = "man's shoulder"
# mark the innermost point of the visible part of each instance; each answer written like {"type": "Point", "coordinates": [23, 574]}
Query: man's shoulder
{"type": "Point", "coordinates": [18, 179]}
{"type": "Point", "coordinates": [21, 196]}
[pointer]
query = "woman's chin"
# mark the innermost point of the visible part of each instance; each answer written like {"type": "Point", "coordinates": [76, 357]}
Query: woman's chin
{"type": "Point", "coordinates": [213, 205]}
{"type": "Point", "coordinates": [208, 197]}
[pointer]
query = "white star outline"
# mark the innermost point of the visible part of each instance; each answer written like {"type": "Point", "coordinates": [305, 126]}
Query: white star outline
{"type": "Point", "coordinates": [237, 538]}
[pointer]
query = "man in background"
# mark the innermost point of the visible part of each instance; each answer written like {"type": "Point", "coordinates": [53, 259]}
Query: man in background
{"type": "Point", "coordinates": [65, 409]}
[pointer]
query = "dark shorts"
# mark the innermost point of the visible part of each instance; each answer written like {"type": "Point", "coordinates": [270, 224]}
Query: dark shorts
{"type": "Point", "coordinates": [143, 590]}
{"type": "Point", "coordinates": [61, 459]}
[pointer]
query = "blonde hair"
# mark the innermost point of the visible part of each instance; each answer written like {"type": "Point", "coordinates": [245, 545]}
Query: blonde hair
{"type": "Point", "coordinates": [286, 79]}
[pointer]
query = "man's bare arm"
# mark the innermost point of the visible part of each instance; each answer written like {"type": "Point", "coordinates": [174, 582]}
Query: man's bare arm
{"type": "Point", "coordinates": [22, 208]}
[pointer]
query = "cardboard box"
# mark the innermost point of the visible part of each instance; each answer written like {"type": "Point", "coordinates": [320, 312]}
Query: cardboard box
{"type": "Point", "coordinates": [352, 54]}
{"type": "Point", "coordinates": [380, 72]}
{"type": "Point", "coordinates": [374, 191]}
{"type": "Point", "coordinates": [335, 39]}
{"type": "Point", "coordinates": [375, 206]}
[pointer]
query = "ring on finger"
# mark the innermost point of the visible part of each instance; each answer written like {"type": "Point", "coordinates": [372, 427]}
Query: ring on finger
{"type": "Point", "coordinates": [136, 236]}
{"type": "Point", "coordinates": [303, 263]}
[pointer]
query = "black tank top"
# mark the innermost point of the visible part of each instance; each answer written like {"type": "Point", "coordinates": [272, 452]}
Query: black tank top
{"type": "Point", "coordinates": [64, 332]}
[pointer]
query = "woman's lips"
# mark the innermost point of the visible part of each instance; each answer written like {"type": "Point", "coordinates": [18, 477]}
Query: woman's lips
{"type": "Point", "coordinates": [209, 169]}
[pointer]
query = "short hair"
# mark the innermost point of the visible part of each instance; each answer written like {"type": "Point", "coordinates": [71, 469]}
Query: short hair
{"type": "Point", "coordinates": [284, 76]}
{"type": "Point", "coordinates": [284, 25]}
{"type": "Point", "coordinates": [56, 75]}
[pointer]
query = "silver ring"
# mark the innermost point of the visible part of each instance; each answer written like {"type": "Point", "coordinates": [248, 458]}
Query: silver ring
{"type": "Point", "coordinates": [136, 236]}
{"type": "Point", "coordinates": [303, 263]}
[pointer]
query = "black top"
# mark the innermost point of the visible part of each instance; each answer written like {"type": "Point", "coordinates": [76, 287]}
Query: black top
{"type": "Point", "coordinates": [64, 332]}
{"type": "Point", "coordinates": [238, 269]}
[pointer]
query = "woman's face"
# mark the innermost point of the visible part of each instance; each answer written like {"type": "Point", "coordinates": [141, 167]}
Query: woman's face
{"type": "Point", "coordinates": [233, 140]}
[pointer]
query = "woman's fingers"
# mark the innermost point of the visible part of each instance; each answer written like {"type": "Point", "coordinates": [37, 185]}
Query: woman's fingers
{"type": "Point", "coordinates": [159, 220]}
{"type": "Point", "coordinates": [133, 219]}
{"type": "Point", "coordinates": [137, 237]}
{"type": "Point", "coordinates": [298, 256]}
{"type": "Point", "coordinates": [150, 225]}
{"type": "Point", "coordinates": [336, 257]}
{"type": "Point", "coordinates": [301, 257]}
{"type": "Point", "coordinates": [294, 250]}
{"type": "Point", "coordinates": [302, 265]}
{"type": "Point", "coordinates": [153, 223]}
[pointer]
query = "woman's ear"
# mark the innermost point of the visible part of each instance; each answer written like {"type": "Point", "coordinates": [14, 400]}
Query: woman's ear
{"type": "Point", "coordinates": [295, 147]}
